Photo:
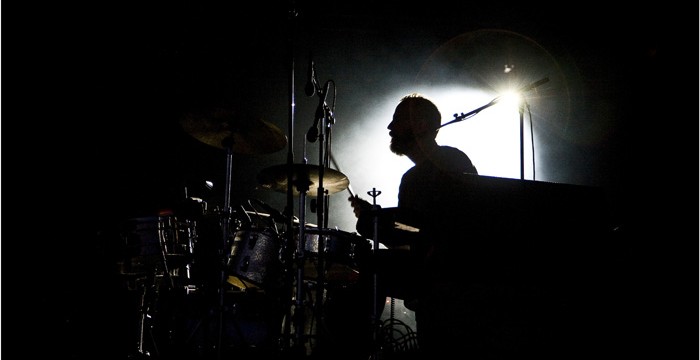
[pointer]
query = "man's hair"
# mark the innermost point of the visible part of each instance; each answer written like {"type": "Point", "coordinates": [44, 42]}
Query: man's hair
{"type": "Point", "coordinates": [422, 109]}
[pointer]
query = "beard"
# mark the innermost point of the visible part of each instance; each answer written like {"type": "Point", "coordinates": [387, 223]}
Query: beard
{"type": "Point", "coordinates": [400, 145]}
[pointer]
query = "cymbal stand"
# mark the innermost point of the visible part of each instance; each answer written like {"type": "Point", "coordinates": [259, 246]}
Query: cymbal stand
{"type": "Point", "coordinates": [375, 288]}
{"type": "Point", "coordinates": [297, 319]}
{"type": "Point", "coordinates": [223, 254]}
{"type": "Point", "coordinates": [302, 184]}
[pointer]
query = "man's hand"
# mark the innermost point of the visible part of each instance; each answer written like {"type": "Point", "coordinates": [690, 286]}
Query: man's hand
{"type": "Point", "coordinates": [359, 205]}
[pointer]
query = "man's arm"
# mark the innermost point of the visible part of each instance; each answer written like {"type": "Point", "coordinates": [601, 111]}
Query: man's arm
{"type": "Point", "coordinates": [391, 230]}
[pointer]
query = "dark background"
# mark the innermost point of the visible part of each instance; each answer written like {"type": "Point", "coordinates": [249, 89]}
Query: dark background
{"type": "Point", "coordinates": [91, 132]}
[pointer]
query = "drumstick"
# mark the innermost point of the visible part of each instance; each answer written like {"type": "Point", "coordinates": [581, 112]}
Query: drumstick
{"type": "Point", "coordinates": [349, 189]}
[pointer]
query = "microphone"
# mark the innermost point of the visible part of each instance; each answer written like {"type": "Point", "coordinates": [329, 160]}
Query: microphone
{"type": "Point", "coordinates": [312, 134]}
{"type": "Point", "coordinates": [310, 79]}
{"type": "Point", "coordinates": [534, 85]}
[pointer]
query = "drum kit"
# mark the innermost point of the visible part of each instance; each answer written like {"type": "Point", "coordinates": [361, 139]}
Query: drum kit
{"type": "Point", "coordinates": [244, 279]}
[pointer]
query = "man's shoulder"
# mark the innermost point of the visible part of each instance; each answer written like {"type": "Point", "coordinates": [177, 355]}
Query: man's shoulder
{"type": "Point", "coordinates": [453, 159]}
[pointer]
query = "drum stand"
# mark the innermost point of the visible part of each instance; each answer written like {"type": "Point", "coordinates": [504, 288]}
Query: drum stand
{"type": "Point", "coordinates": [376, 324]}
{"type": "Point", "coordinates": [145, 306]}
{"type": "Point", "coordinates": [298, 319]}
{"type": "Point", "coordinates": [150, 298]}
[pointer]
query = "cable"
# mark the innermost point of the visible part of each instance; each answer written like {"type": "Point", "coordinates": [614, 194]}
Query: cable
{"type": "Point", "coordinates": [397, 336]}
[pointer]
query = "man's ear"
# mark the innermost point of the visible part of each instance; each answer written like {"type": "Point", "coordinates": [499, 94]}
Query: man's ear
{"type": "Point", "coordinates": [421, 127]}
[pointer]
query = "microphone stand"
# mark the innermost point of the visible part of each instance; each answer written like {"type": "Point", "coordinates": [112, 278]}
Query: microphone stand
{"type": "Point", "coordinates": [464, 116]}
{"type": "Point", "coordinates": [330, 121]}
{"type": "Point", "coordinates": [324, 114]}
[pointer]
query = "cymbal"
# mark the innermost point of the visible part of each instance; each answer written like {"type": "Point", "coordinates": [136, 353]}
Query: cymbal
{"type": "Point", "coordinates": [220, 128]}
{"type": "Point", "coordinates": [303, 176]}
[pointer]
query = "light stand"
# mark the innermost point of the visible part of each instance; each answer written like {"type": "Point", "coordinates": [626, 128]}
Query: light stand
{"type": "Point", "coordinates": [521, 110]}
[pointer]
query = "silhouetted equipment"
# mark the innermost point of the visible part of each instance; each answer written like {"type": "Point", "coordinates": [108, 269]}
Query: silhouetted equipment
{"type": "Point", "coordinates": [540, 253]}
{"type": "Point", "coordinates": [538, 258]}
{"type": "Point", "coordinates": [497, 223]}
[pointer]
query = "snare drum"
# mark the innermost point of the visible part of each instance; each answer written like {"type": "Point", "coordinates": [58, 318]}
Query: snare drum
{"type": "Point", "coordinates": [341, 253]}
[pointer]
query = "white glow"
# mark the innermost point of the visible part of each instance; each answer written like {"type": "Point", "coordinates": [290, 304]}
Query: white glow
{"type": "Point", "coordinates": [490, 137]}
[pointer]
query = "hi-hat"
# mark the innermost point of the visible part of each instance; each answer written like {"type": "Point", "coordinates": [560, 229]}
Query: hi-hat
{"type": "Point", "coordinates": [222, 129]}
{"type": "Point", "coordinates": [304, 177]}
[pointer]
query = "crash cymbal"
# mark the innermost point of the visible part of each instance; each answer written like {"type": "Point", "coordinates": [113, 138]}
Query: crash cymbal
{"type": "Point", "coordinates": [221, 128]}
{"type": "Point", "coordinates": [303, 176]}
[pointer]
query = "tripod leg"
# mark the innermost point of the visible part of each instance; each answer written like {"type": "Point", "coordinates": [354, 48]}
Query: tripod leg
{"type": "Point", "coordinates": [146, 306]}
{"type": "Point", "coordinates": [142, 323]}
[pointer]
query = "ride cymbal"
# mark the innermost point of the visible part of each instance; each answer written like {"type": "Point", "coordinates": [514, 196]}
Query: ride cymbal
{"type": "Point", "coordinates": [222, 129]}
{"type": "Point", "coordinates": [304, 176]}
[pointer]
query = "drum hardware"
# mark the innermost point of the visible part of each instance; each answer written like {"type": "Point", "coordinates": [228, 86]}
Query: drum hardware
{"type": "Point", "coordinates": [248, 253]}
{"type": "Point", "coordinates": [165, 254]}
{"type": "Point", "coordinates": [245, 252]}
{"type": "Point", "coordinates": [300, 178]}
{"type": "Point", "coordinates": [161, 246]}
{"type": "Point", "coordinates": [271, 218]}
{"type": "Point", "coordinates": [145, 307]}
{"type": "Point", "coordinates": [250, 323]}
{"type": "Point", "coordinates": [243, 284]}
{"type": "Point", "coordinates": [375, 288]}
{"type": "Point", "coordinates": [225, 129]}
{"type": "Point", "coordinates": [342, 252]}
{"type": "Point", "coordinates": [296, 180]}
{"type": "Point", "coordinates": [156, 314]}
{"type": "Point", "coordinates": [255, 256]}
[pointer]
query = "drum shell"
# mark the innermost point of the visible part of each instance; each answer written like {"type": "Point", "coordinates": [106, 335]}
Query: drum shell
{"type": "Point", "coordinates": [255, 256]}
{"type": "Point", "coordinates": [338, 246]}
{"type": "Point", "coordinates": [342, 254]}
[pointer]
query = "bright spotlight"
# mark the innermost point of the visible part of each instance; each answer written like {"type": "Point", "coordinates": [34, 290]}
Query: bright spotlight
{"type": "Point", "coordinates": [510, 100]}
